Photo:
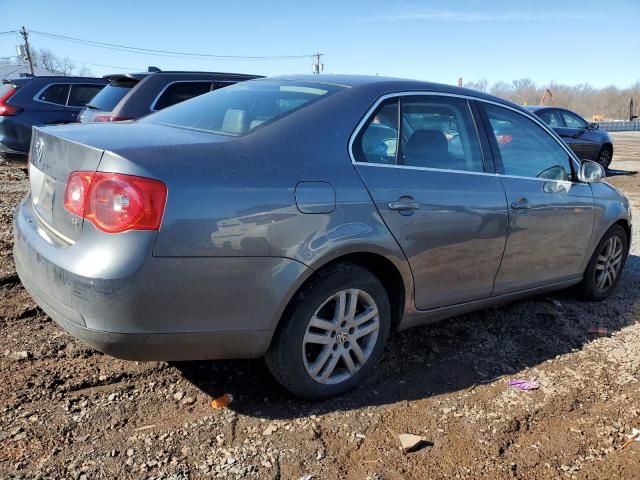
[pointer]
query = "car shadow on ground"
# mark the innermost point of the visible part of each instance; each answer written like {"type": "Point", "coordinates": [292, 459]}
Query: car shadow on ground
{"type": "Point", "coordinates": [616, 173]}
{"type": "Point", "coordinates": [449, 356]}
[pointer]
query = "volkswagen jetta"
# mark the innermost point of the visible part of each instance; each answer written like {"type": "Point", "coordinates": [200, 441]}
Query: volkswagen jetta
{"type": "Point", "coordinates": [303, 219]}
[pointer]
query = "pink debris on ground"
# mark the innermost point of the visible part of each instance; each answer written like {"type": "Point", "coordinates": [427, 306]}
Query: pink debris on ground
{"type": "Point", "coordinates": [524, 384]}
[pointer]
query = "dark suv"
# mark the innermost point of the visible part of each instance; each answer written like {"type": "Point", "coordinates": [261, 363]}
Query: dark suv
{"type": "Point", "coordinates": [33, 101]}
{"type": "Point", "coordinates": [134, 95]}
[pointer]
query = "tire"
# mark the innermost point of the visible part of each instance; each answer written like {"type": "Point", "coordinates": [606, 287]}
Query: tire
{"type": "Point", "coordinates": [605, 156]}
{"type": "Point", "coordinates": [300, 364]}
{"type": "Point", "coordinates": [591, 288]}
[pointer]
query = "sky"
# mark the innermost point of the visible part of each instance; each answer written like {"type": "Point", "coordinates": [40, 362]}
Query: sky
{"type": "Point", "coordinates": [569, 41]}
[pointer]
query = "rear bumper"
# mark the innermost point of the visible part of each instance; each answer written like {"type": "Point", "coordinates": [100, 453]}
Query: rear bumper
{"type": "Point", "coordinates": [15, 135]}
{"type": "Point", "coordinates": [156, 308]}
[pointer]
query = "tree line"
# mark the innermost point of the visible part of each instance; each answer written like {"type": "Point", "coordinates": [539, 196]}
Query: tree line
{"type": "Point", "coordinates": [608, 103]}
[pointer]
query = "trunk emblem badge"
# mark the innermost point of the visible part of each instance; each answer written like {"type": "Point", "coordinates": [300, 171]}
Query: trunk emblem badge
{"type": "Point", "coordinates": [38, 150]}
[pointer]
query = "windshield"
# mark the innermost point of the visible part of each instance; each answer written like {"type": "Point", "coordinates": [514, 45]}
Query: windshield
{"type": "Point", "coordinates": [240, 109]}
{"type": "Point", "coordinates": [109, 96]}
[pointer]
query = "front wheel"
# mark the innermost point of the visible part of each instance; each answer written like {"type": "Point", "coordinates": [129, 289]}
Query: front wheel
{"type": "Point", "coordinates": [332, 334]}
{"type": "Point", "coordinates": [605, 156]}
{"type": "Point", "coordinates": [606, 264]}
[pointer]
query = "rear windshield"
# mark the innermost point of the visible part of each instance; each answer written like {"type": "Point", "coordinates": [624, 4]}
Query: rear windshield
{"type": "Point", "coordinates": [109, 96]}
{"type": "Point", "coordinates": [241, 108]}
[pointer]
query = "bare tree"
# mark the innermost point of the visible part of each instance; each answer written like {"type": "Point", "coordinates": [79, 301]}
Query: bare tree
{"type": "Point", "coordinates": [592, 103]}
{"type": "Point", "coordinates": [43, 57]}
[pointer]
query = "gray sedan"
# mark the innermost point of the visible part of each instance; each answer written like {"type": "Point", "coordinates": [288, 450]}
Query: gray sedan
{"type": "Point", "coordinates": [303, 219]}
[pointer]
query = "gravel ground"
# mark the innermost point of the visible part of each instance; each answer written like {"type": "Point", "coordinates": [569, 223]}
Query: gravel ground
{"type": "Point", "coordinates": [71, 412]}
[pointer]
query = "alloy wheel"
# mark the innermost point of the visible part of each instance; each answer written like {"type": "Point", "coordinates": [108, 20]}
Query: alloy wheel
{"type": "Point", "coordinates": [605, 158]}
{"type": "Point", "coordinates": [340, 336]}
{"type": "Point", "coordinates": [609, 263]}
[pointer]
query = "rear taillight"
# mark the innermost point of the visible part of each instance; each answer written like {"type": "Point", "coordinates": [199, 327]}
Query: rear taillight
{"type": "Point", "coordinates": [109, 118]}
{"type": "Point", "coordinates": [7, 110]}
{"type": "Point", "coordinates": [115, 202]}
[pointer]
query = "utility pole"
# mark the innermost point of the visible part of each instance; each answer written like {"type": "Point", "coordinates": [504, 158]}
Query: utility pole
{"type": "Point", "coordinates": [25, 36]}
{"type": "Point", "coordinates": [317, 66]}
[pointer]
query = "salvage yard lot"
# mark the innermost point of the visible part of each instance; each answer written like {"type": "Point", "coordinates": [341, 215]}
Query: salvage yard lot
{"type": "Point", "coordinates": [68, 411]}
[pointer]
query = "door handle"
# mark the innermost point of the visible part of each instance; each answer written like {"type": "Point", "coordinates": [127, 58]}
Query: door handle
{"type": "Point", "coordinates": [404, 205]}
{"type": "Point", "coordinates": [522, 204]}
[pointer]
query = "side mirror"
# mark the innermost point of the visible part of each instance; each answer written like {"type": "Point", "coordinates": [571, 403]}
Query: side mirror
{"type": "Point", "coordinates": [594, 126]}
{"type": "Point", "coordinates": [591, 172]}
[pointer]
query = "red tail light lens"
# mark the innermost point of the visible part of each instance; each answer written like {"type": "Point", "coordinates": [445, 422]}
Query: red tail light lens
{"type": "Point", "coordinates": [8, 110]}
{"type": "Point", "coordinates": [109, 118]}
{"type": "Point", "coordinates": [115, 202]}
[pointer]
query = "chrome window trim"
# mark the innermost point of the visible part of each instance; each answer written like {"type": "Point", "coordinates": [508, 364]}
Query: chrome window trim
{"type": "Point", "coordinates": [69, 84]}
{"type": "Point", "coordinates": [153, 104]}
{"type": "Point", "coordinates": [467, 172]}
{"type": "Point", "coordinates": [529, 116]}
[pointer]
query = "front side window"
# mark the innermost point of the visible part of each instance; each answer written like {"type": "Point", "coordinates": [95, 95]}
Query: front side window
{"type": "Point", "coordinates": [421, 131]}
{"type": "Point", "coordinates": [552, 118]}
{"type": "Point", "coordinates": [81, 94]}
{"type": "Point", "coordinates": [180, 91]}
{"type": "Point", "coordinates": [242, 108]}
{"type": "Point", "coordinates": [57, 94]}
{"type": "Point", "coordinates": [573, 121]}
{"type": "Point", "coordinates": [526, 149]}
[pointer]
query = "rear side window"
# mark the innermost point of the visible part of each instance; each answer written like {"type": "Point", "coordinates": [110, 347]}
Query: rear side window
{"type": "Point", "coordinates": [107, 98]}
{"type": "Point", "coordinates": [179, 92]}
{"type": "Point", "coordinates": [57, 93]}
{"type": "Point", "coordinates": [525, 148]}
{"type": "Point", "coordinates": [81, 94]}
{"type": "Point", "coordinates": [435, 132]}
{"type": "Point", "coordinates": [242, 108]}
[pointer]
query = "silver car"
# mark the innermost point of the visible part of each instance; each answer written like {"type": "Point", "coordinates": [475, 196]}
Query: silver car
{"type": "Point", "coordinates": [303, 219]}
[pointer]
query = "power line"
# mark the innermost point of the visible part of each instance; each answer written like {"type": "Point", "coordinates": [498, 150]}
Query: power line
{"type": "Point", "coordinates": [150, 51]}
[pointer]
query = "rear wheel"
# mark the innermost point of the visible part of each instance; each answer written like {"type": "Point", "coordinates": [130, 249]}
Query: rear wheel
{"type": "Point", "coordinates": [605, 156]}
{"type": "Point", "coordinates": [333, 333]}
{"type": "Point", "coordinates": [606, 264]}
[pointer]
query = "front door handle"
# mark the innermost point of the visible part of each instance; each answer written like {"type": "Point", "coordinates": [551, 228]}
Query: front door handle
{"type": "Point", "coordinates": [404, 205]}
{"type": "Point", "coordinates": [521, 204]}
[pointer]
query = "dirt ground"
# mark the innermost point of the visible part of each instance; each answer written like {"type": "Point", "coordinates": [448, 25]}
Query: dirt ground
{"type": "Point", "coordinates": [71, 412]}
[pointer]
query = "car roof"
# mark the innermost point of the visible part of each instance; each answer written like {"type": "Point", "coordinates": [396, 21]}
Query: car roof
{"type": "Point", "coordinates": [139, 76]}
{"type": "Point", "coordinates": [391, 85]}
{"type": "Point", "coordinates": [25, 80]}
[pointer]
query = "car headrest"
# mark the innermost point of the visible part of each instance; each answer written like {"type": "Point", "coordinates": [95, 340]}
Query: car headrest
{"type": "Point", "coordinates": [234, 121]}
{"type": "Point", "coordinates": [426, 146]}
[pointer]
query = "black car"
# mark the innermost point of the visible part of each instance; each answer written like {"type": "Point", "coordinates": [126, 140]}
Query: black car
{"type": "Point", "coordinates": [34, 101]}
{"type": "Point", "coordinates": [583, 137]}
{"type": "Point", "coordinates": [134, 95]}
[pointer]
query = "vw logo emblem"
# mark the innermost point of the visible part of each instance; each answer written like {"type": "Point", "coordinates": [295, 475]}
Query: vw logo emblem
{"type": "Point", "coordinates": [341, 336]}
{"type": "Point", "coordinates": [38, 150]}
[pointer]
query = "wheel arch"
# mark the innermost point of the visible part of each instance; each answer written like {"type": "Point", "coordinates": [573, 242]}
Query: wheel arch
{"type": "Point", "coordinates": [396, 279]}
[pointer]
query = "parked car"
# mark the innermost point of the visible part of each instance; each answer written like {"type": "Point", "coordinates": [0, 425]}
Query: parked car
{"type": "Point", "coordinates": [584, 138]}
{"type": "Point", "coordinates": [303, 219]}
{"type": "Point", "coordinates": [32, 101]}
{"type": "Point", "coordinates": [134, 95]}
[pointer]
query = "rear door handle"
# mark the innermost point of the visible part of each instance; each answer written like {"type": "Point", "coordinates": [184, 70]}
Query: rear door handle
{"type": "Point", "coordinates": [404, 205]}
{"type": "Point", "coordinates": [521, 205]}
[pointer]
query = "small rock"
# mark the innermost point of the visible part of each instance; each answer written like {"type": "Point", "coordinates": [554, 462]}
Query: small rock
{"type": "Point", "coordinates": [411, 442]}
{"type": "Point", "coordinates": [130, 452]}
{"type": "Point", "coordinates": [23, 355]}
{"type": "Point", "coordinates": [188, 401]}
{"type": "Point", "coordinates": [178, 396]}
{"type": "Point", "coordinates": [269, 430]}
